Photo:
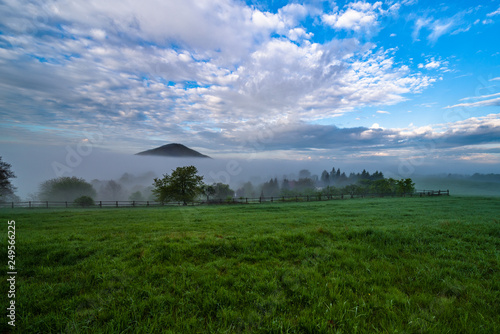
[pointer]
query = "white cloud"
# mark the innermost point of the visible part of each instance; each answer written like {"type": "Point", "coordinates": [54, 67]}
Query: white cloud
{"type": "Point", "coordinates": [231, 27]}
{"type": "Point", "coordinates": [433, 64]}
{"type": "Point", "coordinates": [485, 103]}
{"type": "Point", "coordinates": [226, 74]}
{"type": "Point", "coordinates": [408, 2]}
{"type": "Point", "coordinates": [473, 124]}
{"type": "Point", "coordinates": [359, 17]}
{"type": "Point", "coordinates": [419, 24]}
{"type": "Point", "coordinates": [297, 34]}
{"type": "Point", "coordinates": [496, 12]}
{"type": "Point", "coordinates": [292, 14]}
{"type": "Point", "coordinates": [480, 97]}
{"type": "Point", "coordinates": [382, 112]}
{"type": "Point", "coordinates": [355, 20]}
{"type": "Point", "coordinates": [469, 132]}
{"type": "Point", "coordinates": [98, 34]}
{"type": "Point", "coordinates": [460, 30]}
{"type": "Point", "coordinates": [266, 20]}
{"type": "Point", "coordinates": [439, 28]}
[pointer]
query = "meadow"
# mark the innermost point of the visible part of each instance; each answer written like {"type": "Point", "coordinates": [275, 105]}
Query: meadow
{"type": "Point", "coordinates": [387, 265]}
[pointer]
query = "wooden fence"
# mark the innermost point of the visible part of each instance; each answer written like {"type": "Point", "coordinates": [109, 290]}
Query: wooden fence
{"type": "Point", "coordinates": [432, 193]}
{"type": "Point", "coordinates": [241, 200]}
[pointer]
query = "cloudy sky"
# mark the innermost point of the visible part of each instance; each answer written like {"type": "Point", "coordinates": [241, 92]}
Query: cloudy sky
{"type": "Point", "coordinates": [397, 81]}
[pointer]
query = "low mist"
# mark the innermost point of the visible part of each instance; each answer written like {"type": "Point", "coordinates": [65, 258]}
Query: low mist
{"type": "Point", "coordinates": [117, 176]}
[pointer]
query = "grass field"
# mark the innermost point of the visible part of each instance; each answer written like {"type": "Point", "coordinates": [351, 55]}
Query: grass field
{"type": "Point", "coordinates": [405, 265]}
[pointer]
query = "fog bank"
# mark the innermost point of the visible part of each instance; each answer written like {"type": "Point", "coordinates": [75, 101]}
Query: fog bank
{"type": "Point", "coordinates": [35, 164]}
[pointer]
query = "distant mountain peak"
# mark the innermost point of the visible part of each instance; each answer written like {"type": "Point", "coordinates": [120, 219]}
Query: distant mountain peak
{"type": "Point", "coordinates": [174, 150]}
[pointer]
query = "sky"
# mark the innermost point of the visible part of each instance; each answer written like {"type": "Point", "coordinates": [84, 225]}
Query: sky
{"type": "Point", "coordinates": [408, 84]}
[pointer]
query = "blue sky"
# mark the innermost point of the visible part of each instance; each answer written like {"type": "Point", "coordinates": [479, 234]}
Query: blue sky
{"type": "Point", "coordinates": [400, 82]}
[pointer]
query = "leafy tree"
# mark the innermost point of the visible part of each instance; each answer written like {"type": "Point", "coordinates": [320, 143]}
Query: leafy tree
{"type": "Point", "coordinates": [84, 201]}
{"type": "Point", "coordinates": [363, 185]}
{"type": "Point", "coordinates": [329, 191]}
{"type": "Point", "coordinates": [208, 190]}
{"type": "Point", "coordinates": [353, 189]}
{"type": "Point", "coordinates": [136, 196]}
{"type": "Point", "coordinates": [405, 186]}
{"type": "Point", "coordinates": [377, 176]}
{"type": "Point", "coordinates": [285, 185]}
{"type": "Point", "coordinates": [217, 191]}
{"type": "Point", "coordinates": [222, 191]}
{"type": "Point", "coordinates": [271, 188]}
{"type": "Point", "coordinates": [65, 189]}
{"type": "Point", "coordinates": [382, 187]}
{"type": "Point", "coordinates": [304, 186]}
{"type": "Point", "coordinates": [247, 190]}
{"type": "Point", "coordinates": [6, 188]}
{"type": "Point", "coordinates": [112, 191]}
{"type": "Point", "coordinates": [183, 185]}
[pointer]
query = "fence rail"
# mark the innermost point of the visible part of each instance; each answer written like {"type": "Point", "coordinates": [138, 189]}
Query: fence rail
{"type": "Point", "coordinates": [433, 192]}
{"type": "Point", "coordinates": [240, 200]}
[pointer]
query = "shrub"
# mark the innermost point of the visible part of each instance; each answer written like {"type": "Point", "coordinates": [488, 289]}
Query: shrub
{"type": "Point", "coordinates": [65, 189]}
{"type": "Point", "coordinates": [84, 201]}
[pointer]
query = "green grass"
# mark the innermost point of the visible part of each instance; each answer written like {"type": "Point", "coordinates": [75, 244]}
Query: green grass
{"type": "Point", "coordinates": [406, 265]}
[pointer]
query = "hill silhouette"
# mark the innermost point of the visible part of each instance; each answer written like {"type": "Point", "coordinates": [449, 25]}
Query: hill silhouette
{"type": "Point", "coordinates": [174, 150]}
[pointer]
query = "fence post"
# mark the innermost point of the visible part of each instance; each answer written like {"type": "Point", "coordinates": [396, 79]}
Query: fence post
{"type": "Point", "coordinates": [271, 199]}
{"type": "Point", "coordinates": [29, 204]}
{"type": "Point", "coordinates": [260, 199]}
{"type": "Point", "coordinates": [133, 203]}
{"type": "Point", "coordinates": [341, 196]}
{"type": "Point", "coordinates": [308, 198]}
{"type": "Point", "coordinates": [12, 205]}
{"type": "Point", "coordinates": [116, 203]}
{"type": "Point", "coordinates": [47, 203]}
{"type": "Point", "coordinates": [147, 203]}
{"type": "Point", "coordinates": [246, 200]}
{"type": "Point", "coordinates": [100, 204]}
{"type": "Point", "coordinates": [448, 192]}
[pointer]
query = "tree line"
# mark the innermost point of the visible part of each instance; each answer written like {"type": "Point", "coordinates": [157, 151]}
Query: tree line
{"type": "Point", "coordinates": [185, 185]}
{"type": "Point", "coordinates": [334, 182]}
